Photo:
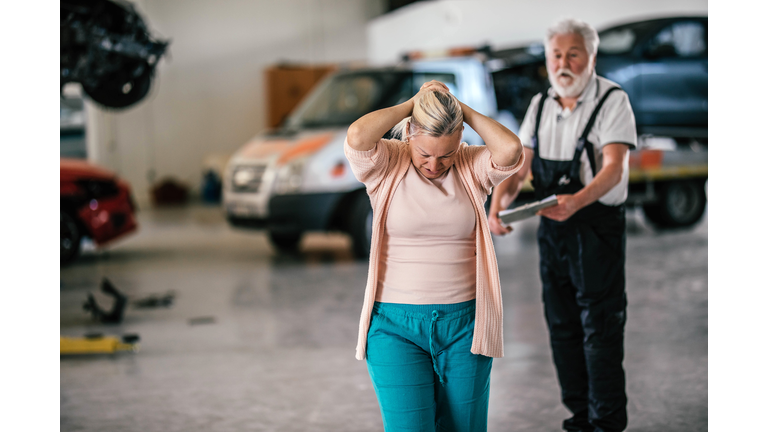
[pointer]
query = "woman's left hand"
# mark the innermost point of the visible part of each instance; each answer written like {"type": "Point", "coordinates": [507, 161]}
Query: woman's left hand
{"type": "Point", "coordinates": [434, 86]}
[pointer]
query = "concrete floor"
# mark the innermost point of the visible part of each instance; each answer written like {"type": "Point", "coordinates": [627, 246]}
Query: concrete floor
{"type": "Point", "coordinates": [261, 342]}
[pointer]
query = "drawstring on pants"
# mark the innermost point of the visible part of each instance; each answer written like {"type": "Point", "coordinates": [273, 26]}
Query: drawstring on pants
{"type": "Point", "coordinates": [432, 348]}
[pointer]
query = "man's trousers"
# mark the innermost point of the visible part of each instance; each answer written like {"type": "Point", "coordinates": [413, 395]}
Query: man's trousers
{"type": "Point", "coordinates": [582, 272]}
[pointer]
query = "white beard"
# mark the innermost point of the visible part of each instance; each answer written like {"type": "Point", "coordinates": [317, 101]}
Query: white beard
{"type": "Point", "coordinates": [578, 82]}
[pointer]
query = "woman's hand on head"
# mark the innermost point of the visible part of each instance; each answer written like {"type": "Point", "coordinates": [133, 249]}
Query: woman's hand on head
{"type": "Point", "coordinates": [432, 86]}
{"type": "Point", "coordinates": [435, 85]}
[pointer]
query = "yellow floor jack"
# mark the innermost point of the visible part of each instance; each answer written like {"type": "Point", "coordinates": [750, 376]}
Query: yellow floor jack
{"type": "Point", "coordinates": [98, 344]}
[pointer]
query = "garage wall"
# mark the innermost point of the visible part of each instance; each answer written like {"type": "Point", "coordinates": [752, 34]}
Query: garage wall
{"type": "Point", "coordinates": [208, 97]}
{"type": "Point", "coordinates": [500, 23]}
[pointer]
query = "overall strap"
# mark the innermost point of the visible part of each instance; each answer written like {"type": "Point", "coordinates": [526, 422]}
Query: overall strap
{"type": "Point", "coordinates": [583, 139]}
{"type": "Point", "coordinates": [539, 110]}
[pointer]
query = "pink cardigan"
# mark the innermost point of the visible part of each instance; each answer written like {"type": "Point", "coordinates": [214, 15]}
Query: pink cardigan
{"type": "Point", "coordinates": [381, 169]}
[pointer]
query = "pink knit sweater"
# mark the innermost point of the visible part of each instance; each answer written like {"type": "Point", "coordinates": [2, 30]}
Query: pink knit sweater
{"type": "Point", "coordinates": [381, 169]}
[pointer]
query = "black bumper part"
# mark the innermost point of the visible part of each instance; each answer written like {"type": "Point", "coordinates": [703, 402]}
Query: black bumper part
{"type": "Point", "coordinates": [294, 213]}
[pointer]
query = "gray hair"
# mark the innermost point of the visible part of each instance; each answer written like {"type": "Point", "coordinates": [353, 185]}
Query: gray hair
{"type": "Point", "coordinates": [572, 25]}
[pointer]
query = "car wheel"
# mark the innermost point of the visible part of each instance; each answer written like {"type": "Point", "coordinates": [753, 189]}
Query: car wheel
{"type": "Point", "coordinates": [361, 226]}
{"type": "Point", "coordinates": [285, 241]}
{"type": "Point", "coordinates": [70, 238]}
{"type": "Point", "coordinates": [680, 204]}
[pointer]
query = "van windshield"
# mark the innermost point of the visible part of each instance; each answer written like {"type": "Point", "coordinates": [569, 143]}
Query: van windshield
{"type": "Point", "coordinates": [343, 98]}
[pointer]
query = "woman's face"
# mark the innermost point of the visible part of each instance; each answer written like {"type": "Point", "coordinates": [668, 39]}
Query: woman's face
{"type": "Point", "coordinates": [432, 156]}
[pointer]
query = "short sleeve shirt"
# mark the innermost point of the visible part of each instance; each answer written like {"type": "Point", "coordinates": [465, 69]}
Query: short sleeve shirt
{"type": "Point", "coordinates": [560, 130]}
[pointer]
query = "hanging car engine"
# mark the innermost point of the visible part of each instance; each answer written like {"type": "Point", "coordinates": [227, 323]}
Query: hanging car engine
{"type": "Point", "coordinates": [106, 47]}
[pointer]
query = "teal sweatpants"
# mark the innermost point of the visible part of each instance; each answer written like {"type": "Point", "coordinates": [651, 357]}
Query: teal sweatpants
{"type": "Point", "coordinates": [424, 375]}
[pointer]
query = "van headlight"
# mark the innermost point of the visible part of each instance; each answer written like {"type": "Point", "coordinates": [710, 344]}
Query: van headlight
{"type": "Point", "coordinates": [290, 176]}
{"type": "Point", "coordinates": [247, 178]}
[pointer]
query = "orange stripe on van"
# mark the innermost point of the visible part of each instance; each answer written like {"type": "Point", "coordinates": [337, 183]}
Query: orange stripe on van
{"type": "Point", "coordinates": [646, 159]}
{"type": "Point", "coordinates": [651, 159]}
{"type": "Point", "coordinates": [259, 149]}
{"type": "Point", "coordinates": [305, 147]}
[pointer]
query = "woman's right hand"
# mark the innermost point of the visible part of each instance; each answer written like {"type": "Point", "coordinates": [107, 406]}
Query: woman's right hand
{"type": "Point", "coordinates": [431, 86]}
{"type": "Point", "coordinates": [366, 131]}
{"type": "Point", "coordinates": [494, 223]}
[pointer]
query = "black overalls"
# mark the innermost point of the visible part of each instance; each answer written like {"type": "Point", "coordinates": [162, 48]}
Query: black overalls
{"type": "Point", "coordinates": [582, 273]}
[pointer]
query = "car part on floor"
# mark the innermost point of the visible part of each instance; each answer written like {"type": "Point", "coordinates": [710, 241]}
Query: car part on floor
{"type": "Point", "coordinates": [285, 241]}
{"type": "Point", "coordinates": [155, 301]}
{"type": "Point", "coordinates": [113, 316]}
{"type": "Point", "coordinates": [169, 192]}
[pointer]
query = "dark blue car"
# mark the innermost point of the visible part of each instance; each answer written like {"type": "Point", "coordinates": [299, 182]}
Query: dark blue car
{"type": "Point", "coordinates": [662, 64]}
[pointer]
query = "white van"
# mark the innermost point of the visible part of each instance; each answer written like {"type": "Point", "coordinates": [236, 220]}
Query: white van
{"type": "Point", "coordinates": [297, 179]}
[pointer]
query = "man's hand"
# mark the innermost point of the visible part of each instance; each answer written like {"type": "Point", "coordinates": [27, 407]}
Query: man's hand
{"type": "Point", "coordinates": [494, 223]}
{"type": "Point", "coordinates": [566, 206]}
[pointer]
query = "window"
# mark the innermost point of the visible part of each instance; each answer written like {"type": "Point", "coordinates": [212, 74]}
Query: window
{"type": "Point", "coordinates": [617, 41]}
{"type": "Point", "coordinates": [681, 39]}
{"type": "Point", "coordinates": [621, 40]}
{"type": "Point", "coordinates": [347, 97]}
{"type": "Point", "coordinates": [448, 79]}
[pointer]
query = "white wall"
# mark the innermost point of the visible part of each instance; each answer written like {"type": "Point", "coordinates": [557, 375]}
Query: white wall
{"type": "Point", "coordinates": [500, 23]}
{"type": "Point", "coordinates": [208, 96]}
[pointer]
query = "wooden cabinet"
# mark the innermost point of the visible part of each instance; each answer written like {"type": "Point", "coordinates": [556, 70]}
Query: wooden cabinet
{"type": "Point", "coordinates": [286, 87]}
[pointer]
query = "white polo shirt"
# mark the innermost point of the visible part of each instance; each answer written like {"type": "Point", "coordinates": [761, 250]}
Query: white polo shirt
{"type": "Point", "coordinates": [560, 129]}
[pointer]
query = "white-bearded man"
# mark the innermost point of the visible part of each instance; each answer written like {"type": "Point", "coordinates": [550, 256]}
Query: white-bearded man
{"type": "Point", "coordinates": [577, 136]}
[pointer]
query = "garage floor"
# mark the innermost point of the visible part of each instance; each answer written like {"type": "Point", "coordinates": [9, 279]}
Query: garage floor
{"type": "Point", "coordinates": [260, 342]}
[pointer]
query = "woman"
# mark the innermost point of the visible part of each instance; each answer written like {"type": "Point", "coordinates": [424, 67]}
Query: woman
{"type": "Point", "coordinates": [432, 315]}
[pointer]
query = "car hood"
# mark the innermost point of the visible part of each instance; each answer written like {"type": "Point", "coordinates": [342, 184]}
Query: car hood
{"type": "Point", "coordinates": [287, 147]}
{"type": "Point", "coordinates": [73, 169]}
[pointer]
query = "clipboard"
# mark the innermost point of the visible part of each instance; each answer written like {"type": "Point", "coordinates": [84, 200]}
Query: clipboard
{"type": "Point", "coordinates": [527, 210]}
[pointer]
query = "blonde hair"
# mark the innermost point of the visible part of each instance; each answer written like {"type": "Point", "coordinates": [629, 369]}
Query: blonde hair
{"type": "Point", "coordinates": [435, 114]}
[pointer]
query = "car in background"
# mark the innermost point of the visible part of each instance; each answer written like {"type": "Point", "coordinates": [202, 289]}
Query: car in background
{"type": "Point", "coordinates": [662, 65]}
{"type": "Point", "coordinates": [95, 204]}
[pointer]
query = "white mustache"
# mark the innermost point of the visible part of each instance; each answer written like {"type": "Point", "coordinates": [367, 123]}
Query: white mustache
{"type": "Point", "coordinates": [565, 72]}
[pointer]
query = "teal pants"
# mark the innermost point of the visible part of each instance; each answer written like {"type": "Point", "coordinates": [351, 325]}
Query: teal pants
{"type": "Point", "coordinates": [424, 375]}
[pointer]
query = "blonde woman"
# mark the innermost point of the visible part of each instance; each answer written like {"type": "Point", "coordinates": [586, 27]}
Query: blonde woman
{"type": "Point", "coordinates": [432, 315]}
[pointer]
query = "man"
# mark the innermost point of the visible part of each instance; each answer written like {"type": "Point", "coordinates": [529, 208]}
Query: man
{"type": "Point", "coordinates": [577, 136]}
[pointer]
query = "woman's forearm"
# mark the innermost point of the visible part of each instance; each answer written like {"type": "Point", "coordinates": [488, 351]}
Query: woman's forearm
{"type": "Point", "coordinates": [366, 131]}
{"type": "Point", "coordinates": [504, 193]}
{"type": "Point", "coordinates": [504, 145]}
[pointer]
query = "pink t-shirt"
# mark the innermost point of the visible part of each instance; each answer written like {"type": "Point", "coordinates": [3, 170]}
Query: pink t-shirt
{"type": "Point", "coordinates": [428, 250]}
{"type": "Point", "coordinates": [381, 169]}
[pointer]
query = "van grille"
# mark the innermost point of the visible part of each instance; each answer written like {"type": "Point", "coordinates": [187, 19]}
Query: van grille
{"type": "Point", "coordinates": [248, 178]}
